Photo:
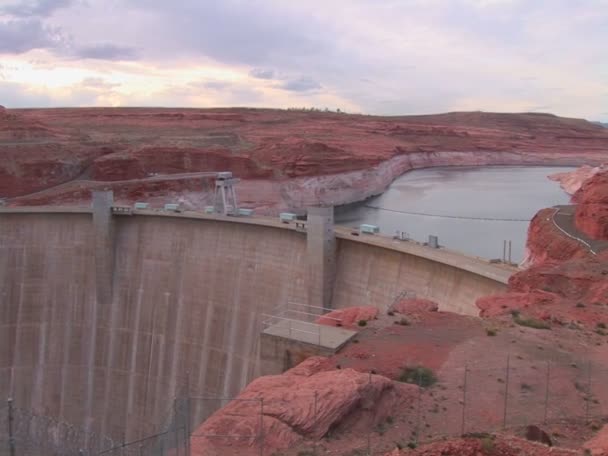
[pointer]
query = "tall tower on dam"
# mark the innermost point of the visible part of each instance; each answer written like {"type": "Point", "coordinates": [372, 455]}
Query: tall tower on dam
{"type": "Point", "coordinates": [321, 252]}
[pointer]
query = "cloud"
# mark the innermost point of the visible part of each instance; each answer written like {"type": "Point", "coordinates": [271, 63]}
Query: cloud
{"type": "Point", "coordinates": [254, 33]}
{"type": "Point", "coordinates": [260, 73]}
{"type": "Point", "coordinates": [106, 51]}
{"type": "Point", "coordinates": [98, 83]}
{"type": "Point", "coordinates": [21, 35]}
{"type": "Point", "coordinates": [302, 84]}
{"type": "Point", "coordinates": [212, 85]}
{"type": "Point", "coordinates": [27, 9]}
{"type": "Point", "coordinates": [15, 95]}
{"type": "Point", "coordinates": [391, 57]}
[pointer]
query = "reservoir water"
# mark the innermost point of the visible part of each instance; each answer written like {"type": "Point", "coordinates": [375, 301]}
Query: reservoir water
{"type": "Point", "coordinates": [472, 210]}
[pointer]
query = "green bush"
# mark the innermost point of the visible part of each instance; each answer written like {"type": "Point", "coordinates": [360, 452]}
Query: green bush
{"type": "Point", "coordinates": [418, 375]}
{"type": "Point", "coordinates": [530, 322]}
{"type": "Point", "coordinates": [487, 445]}
{"type": "Point", "coordinates": [362, 322]}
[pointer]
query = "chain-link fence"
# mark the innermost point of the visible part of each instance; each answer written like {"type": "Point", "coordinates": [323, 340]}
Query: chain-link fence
{"type": "Point", "coordinates": [470, 399]}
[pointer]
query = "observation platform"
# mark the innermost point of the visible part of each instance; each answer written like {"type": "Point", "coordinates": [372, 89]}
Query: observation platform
{"type": "Point", "coordinates": [326, 337]}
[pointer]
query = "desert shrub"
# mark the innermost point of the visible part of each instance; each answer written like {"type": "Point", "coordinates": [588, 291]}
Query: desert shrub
{"type": "Point", "coordinates": [601, 325]}
{"type": "Point", "coordinates": [530, 322]}
{"type": "Point", "coordinates": [404, 322]}
{"type": "Point", "coordinates": [390, 313]}
{"type": "Point", "coordinates": [412, 445]}
{"type": "Point", "coordinates": [580, 304]}
{"type": "Point", "coordinates": [490, 332]}
{"type": "Point", "coordinates": [418, 375]}
{"type": "Point", "coordinates": [307, 453]}
{"type": "Point", "coordinates": [362, 322]}
{"type": "Point", "coordinates": [487, 445]}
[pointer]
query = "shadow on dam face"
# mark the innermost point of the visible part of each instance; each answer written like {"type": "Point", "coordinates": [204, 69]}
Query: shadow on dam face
{"type": "Point", "coordinates": [183, 314]}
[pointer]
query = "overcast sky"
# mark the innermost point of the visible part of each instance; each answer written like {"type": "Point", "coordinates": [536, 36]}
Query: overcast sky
{"type": "Point", "coordinates": [371, 56]}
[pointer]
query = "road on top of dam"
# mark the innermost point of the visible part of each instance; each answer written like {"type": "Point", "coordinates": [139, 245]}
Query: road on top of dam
{"type": "Point", "coordinates": [499, 272]}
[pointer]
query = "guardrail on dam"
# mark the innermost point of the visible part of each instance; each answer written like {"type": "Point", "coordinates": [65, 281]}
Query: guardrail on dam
{"type": "Point", "coordinates": [105, 317]}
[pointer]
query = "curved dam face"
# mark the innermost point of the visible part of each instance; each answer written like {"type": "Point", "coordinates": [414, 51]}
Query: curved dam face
{"type": "Point", "coordinates": [105, 334]}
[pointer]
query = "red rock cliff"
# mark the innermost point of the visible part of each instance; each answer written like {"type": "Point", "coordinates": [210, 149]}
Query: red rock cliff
{"type": "Point", "coordinates": [287, 158]}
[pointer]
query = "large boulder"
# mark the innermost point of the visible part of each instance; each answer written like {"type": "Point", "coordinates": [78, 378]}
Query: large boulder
{"type": "Point", "coordinates": [598, 445]}
{"type": "Point", "coordinates": [303, 403]}
{"type": "Point", "coordinates": [415, 306]}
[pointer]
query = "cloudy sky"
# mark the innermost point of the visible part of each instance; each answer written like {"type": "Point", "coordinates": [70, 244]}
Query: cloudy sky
{"type": "Point", "coordinates": [371, 56]}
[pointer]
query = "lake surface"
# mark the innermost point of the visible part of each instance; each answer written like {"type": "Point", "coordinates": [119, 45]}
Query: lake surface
{"type": "Point", "coordinates": [509, 195]}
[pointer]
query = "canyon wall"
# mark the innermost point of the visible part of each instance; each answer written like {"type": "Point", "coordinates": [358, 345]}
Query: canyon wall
{"type": "Point", "coordinates": [287, 159]}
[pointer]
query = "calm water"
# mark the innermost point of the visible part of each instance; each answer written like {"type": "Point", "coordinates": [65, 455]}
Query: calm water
{"type": "Point", "coordinates": [496, 192]}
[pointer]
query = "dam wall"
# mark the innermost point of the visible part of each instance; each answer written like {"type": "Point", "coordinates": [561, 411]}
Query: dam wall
{"type": "Point", "coordinates": [184, 314]}
{"type": "Point", "coordinates": [373, 275]}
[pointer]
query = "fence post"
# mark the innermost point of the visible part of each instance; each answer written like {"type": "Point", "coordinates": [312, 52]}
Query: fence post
{"type": "Point", "coordinates": [175, 420]}
{"type": "Point", "coordinates": [419, 406]}
{"type": "Point", "coordinates": [464, 400]}
{"type": "Point", "coordinates": [188, 399]}
{"type": "Point", "coordinates": [588, 404]}
{"type": "Point", "coordinates": [504, 419]}
{"type": "Point", "coordinates": [262, 437]}
{"type": "Point", "coordinates": [547, 392]}
{"type": "Point", "coordinates": [11, 439]}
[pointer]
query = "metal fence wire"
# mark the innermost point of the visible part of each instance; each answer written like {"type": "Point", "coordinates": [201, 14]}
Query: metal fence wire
{"type": "Point", "coordinates": [471, 399]}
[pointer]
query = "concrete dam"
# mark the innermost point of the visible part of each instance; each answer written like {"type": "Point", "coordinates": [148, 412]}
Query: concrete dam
{"type": "Point", "coordinates": [105, 317]}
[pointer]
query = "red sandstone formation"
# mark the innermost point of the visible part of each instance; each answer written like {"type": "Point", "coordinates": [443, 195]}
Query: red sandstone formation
{"type": "Point", "coordinates": [598, 445]}
{"type": "Point", "coordinates": [571, 181]}
{"type": "Point", "coordinates": [592, 208]}
{"type": "Point", "coordinates": [547, 243]}
{"type": "Point", "coordinates": [304, 402]}
{"type": "Point", "coordinates": [286, 158]}
{"type": "Point", "coordinates": [349, 317]}
{"type": "Point", "coordinates": [415, 306]}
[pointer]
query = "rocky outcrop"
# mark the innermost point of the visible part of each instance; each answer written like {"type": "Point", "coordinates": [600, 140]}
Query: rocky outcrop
{"type": "Point", "coordinates": [598, 445]}
{"type": "Point", "coordinates": [415, 306]}
{"type": "Point", "coordinates": [571, 181]}
{"type": "Point", "coordinates": [592, 208]}
{"type": "Point", "coordinates": [288, 159]}
{"type": "Point", "coordinates": [304, 402]}
{"type": "Point", "coordinates": [546, 243]}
